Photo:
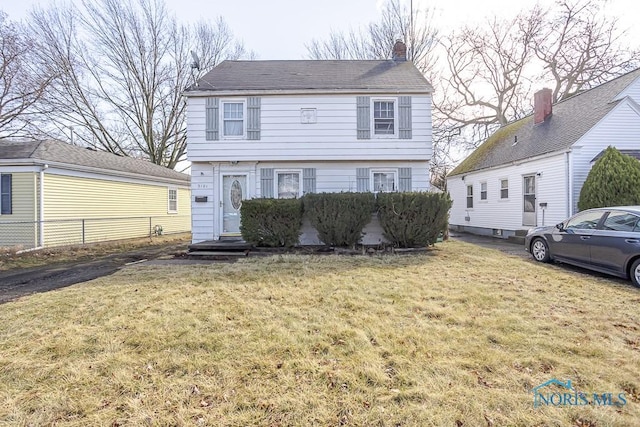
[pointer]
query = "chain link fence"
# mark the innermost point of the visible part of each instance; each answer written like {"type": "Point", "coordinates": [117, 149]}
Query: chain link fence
{"type": "Point", "coordinates": [19, 235]}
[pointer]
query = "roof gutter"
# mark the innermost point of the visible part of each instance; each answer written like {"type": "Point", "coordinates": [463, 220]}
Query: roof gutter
{"type": "Point", "coordinates": [513, 163]}
{"type": "Point", "coordinates": [248, 92]}
{"type": "Point", "coordinates": [90, 169]}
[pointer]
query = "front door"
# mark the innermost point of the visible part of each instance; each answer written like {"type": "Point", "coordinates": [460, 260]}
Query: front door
{"type": "Point", "coordinates": [234, 190]}
{"type": "Point", "coordinates": [529, 216]}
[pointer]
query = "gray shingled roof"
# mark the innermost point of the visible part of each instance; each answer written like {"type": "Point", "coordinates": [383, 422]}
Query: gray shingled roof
{"type": "Point", "coordinates": [313, 75]}
{"type": "Point", "coordinates": [61, 152]}
{"type": "Point", "coordinates": [633, 153]}
{"type": "Point", "coordinates": [569, 121]}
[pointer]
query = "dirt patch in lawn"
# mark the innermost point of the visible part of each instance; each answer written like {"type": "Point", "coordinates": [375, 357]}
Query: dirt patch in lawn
{"type": "Point", "coordinates": [62, 267]}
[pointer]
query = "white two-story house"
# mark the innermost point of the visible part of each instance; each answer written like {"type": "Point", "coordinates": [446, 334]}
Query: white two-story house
{"type": "Point", "coordinates": [280, 129]}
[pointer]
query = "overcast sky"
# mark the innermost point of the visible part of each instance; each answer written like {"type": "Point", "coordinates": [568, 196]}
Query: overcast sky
{"type": "Point", "coordinates": [279, 29]}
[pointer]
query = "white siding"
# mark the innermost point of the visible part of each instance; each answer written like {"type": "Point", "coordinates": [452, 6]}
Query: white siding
{"type": "Point", "coordinates": [332, 137]}
{"type": "Point", "coordinates": [506, 215]}
{"type": "Point", "coordinates": [331, 177]}
{"type": "Point", "coordinates": [203, 214]}
{"type": "Point", "coordinates": [620, 129]}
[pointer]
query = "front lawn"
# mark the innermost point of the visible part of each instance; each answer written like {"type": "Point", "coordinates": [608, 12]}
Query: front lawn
{"type": "Point", "coordinates": [456, 337]}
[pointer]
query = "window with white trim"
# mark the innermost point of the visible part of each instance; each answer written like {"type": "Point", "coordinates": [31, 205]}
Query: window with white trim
{"type": "Point", "coordinates": [233, 123]}
{"type": "Point", "coordinates": [504, 188]}
{"type": "Point", "coordinates": [5, 194]}
{"type": "Point", "coordinates": [483, 191]}
{"type": "Point", "coordinates": [172, 205]}
{"type": "Point", "coordinates": [469, 196]}
{"type": "Point", "coordinates": [384, 118]}
{"type": "Point", "coordinates": [288, 185]}
{"type": "Point", "coordinates": [384, 181]}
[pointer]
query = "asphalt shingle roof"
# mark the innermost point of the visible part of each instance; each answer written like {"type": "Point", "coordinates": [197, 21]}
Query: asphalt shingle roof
{"type": "Point", "coordinates": [61, 152]}
{"type": "Point", "coordinates": [633, 153]}
{"type": "Point", "coordinates": [569, 121]}
{"type": "Point", "coordinates": [314, 75]}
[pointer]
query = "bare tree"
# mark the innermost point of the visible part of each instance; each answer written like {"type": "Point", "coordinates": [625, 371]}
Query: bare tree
{"type": "Point", "coordinates": [414, 27]}
{"type": "Point", "coordinates": [581, 47]}
{"type": "Point", "coordinates": [121, 67]}
{"type": "Point", "coordinates": [487, 83]}
{"type": "Point", "coordinates": [21, 84]}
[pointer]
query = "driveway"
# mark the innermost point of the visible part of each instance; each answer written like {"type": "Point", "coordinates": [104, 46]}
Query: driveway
{"type": "Point", "coordinates": [502, 245]}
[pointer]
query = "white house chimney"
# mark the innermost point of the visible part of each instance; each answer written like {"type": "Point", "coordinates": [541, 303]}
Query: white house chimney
{"type": "Point", "coordinates": [542, 101]}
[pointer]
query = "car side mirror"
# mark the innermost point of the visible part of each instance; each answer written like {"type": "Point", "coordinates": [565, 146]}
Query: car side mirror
{"type": "Point", "coordinates": [560, 226]}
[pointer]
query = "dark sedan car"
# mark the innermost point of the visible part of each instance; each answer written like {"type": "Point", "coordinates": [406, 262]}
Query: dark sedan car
{"type": "Point", "coordinates": [604, 239]}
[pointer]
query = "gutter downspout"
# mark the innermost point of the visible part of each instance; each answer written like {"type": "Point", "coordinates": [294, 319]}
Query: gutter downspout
{"type": "Point", "coordinates": [568, 183]}
{"type": "Point", "coordinates": [41, 210]}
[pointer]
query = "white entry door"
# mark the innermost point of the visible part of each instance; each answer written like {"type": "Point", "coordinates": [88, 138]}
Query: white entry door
{"type": "Point", "coordinates": [234, 190]}
{"type": "Point", "coordinates": [529, 214]}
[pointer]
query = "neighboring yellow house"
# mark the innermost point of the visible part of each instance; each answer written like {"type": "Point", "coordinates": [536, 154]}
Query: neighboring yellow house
{"type": "Point", "coordinates": [53, 193]}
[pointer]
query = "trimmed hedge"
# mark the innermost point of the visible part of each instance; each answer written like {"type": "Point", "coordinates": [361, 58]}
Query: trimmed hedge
{"type": "Point", "coordinates": [614, 180]}
{"type": "Point", "coordinates": [271, 222]}
{"type": "Point", "coordinates": [413, 219]}
{"type": "Point", "coordinates": [339, 217]}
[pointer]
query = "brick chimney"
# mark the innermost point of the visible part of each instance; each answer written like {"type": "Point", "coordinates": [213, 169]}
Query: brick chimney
{"type": "Point", "coordinates": [542, 100]}
{"type": "Point", "coordinates": [399, 53]}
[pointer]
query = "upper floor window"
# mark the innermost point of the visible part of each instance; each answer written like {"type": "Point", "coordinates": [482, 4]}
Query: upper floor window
{"type": "Point", "coordinates": [232, 119]}
{"type": "Point", "coordinates": [504, 188]}
{"type": "Point", "coordinates": [5, 194]}
{"type": "Point", "coordinates": [384, 118]}
{"type": "Point", "coordinates": [173, 200]}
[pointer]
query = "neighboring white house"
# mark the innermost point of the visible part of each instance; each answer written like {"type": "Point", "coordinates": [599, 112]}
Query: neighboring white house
{"type": "Point", "coordinates": [284, 128]}
{"type": "Point", "coordinates": [530, 172]}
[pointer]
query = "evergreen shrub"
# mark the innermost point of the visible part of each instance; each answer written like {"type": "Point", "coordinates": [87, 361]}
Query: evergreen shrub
{"type": "Point", "coordinates": [413, 219]}
{"type": "Point", "coordinates": [614, 180]}
{"type": "Point", "coordinates": [339, 218]}
{"type": "Point", "coordinates": [271, 222]}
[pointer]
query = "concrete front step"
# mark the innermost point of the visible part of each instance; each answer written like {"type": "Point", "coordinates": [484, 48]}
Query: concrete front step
{"type": "Point", "coordinates": [236, 245]}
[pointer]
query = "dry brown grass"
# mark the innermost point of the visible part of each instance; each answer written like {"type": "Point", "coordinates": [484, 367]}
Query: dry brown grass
{"type": "Point", "coordinates": [455, 338]}
{"type": "Point", "coordinates": [10, 260]}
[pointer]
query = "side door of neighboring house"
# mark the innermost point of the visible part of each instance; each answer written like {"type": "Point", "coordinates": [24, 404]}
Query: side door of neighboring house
{"type": "Point", "coordinates": [573, 242]}
{"type": "Point", "coordinates": [615, 241]}
{"type": "Point", "coordinates": [529, 213]}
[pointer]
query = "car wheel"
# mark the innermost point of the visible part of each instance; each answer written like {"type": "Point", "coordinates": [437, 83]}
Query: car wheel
{"type": "Point", "coordinates": [634, 273]}
{"type": "Point", "coordinates": [540, 250]}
